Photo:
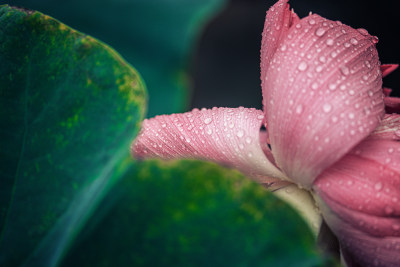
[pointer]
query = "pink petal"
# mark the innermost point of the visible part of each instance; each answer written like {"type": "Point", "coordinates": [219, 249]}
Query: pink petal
{"type": "Point", "coordinates": [386, 91]}
{"type": "Point", "coordinates": [224, 135]}
{"type": "Point", "coordinates": [392, 104]}
{"type": "Point", "coordinates": [389, 128]}
{"type": "Point", "coordinates": [322, 92]}
{"type": "Point", "coordinates": [388, 68]}
{"type": "Point", "coordinates": [360, 197]}
{"type": "Point", "coordinates": [277, 23]}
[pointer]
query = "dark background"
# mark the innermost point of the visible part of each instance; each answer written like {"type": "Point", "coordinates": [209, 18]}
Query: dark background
{"type": "Point", "coordinates": [225, 66]}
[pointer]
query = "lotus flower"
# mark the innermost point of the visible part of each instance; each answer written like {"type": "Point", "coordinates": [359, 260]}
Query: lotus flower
{"type": "Point", "coordinates": [327, 131]}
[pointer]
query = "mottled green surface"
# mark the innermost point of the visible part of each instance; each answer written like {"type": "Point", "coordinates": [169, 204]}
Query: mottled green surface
{"type": "Point", "coordinates": [69, 108]}
{"type": "Point", "coordinates": [156, 36]}
{"type": "Point", "coordinates": [190, 213]}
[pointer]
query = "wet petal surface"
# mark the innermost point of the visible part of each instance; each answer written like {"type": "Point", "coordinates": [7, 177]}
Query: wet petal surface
{"type": "Point", "coordinates": [324, 93]}
{"type": "Point", "coordinates": [224, 135]}
{"type": "Point", "coordinates": [360, 196]}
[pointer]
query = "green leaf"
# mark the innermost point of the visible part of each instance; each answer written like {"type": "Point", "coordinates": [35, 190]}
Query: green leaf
{"type": "Point", "coordinates": [155, 36]}
{"type": "Point", "coordinates": [191, 213]}
{"type": "Point", "coordinates": [69, 108]}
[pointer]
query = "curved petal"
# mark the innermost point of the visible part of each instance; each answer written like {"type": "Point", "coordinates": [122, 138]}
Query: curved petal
{"type": "Point", "coordinates": [224, 135]}
{"type": "Point", "coordinates": [392, 104]}
{"type": "Point", "coordinates": [389, 128]}
{"type": "Point", "coordinates": [360, 195]}
{"type": "Point", "coordinates": [324, 89]}
{"type": "Point", "coordinates": [388, 68]}
{"type": "Point", "coordinates": [277, 23]}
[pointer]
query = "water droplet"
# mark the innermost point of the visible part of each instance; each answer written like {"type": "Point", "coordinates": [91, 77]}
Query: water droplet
{"type": "Point", "coordinates": [302, 66]}
{"type": "Point", "coordinates": [388, 210]}
{"type": "Point", "coordinates": [332, 87]}
{"type": "Point", "coordinates": [314, 86]}
{"type": "Point", "coordinates": [367, 64]}
{"type": "Point", "coordinates": [311, 21]}
{"type": "Point", "coordinates": [164, 125]}
{"type": "Point", "coordinates": [289, 190]}
{"type": "Point", "coordinates": [378, 186]}
{"type": "Point", "coordinates": [250, 155]}
{"type": "Point", "coordinates": [283, 48]}
{"type": "Point", "coordinates": [362, 31]}
{"type": "Point", "coordinates": [343, 87]}
{"type": "Point", "coordinates": [298, 25]}
{"type": "Point", "coordinates": [208, 120]}
{"type": "Point", "coordinates": [351, 115]}
{"type": "Point", "coordinates": [209, 131]}
{"type": "Point", "coordinates": [333, 54]}
{"type": "Point", "coordinates": [347, 45]}
{"type": "Point", "coordinates": [320, 32]}
{"type": "Point", "coordinates": [240, 133]}
{"type": "Point", "coordinates": [248, 140]}
{"type": "Point", "coordinates": [353, 41]}
{"type": "Point", "coordinates": [335, 119]}
{"type": "Point", "coordinates": [299, 109]}
{"type": "Point", "coordinates": [188, 139]}
{"type": "Point", "coordinates": [329, 42]}
{"type": "Point", "coordinates": [318, 69]}
{"type": "Point", "coordinates": [322, 59]}
{"type": "Point", "coordinates": [390, 150]}
{"type": "Point", "coordinates": [345, 70]}
{"type": "Point", "coordinates": [351, 92]}
{"type": "Point", "coordinates": [327, 107]}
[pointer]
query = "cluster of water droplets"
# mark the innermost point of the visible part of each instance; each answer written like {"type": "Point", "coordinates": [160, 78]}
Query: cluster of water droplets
{"type": "Point", "coordinates": [332, 68]}
{"type": "Point", "coordinates": [224, 135]}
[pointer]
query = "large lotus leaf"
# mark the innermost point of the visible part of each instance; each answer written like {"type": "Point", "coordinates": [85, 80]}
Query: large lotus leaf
{"type": "Point", "coordinates": [69, 108]}
{"type": "Point", "coordinates": [191, 213]}
{"type": "Point", "coordinates": [154, 35]}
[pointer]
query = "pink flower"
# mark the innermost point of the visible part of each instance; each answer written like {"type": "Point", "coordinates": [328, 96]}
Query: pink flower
{"type": "Point", "coordinates": [324, 110]}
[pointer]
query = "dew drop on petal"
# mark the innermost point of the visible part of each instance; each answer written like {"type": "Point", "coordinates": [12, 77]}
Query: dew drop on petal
{"type": "Point", "coordinates": [314, 86]}
{"type": "Point", "coordinates": [208, 120]}
{"type": "Point", "coordinates": [329, 42]}
{"type": "Point", "coordinates": [302, 66]}
{"type": "Point", "coordinates": [362, 31]}
{"type": "Point", "coordinates": [327, 107]}
{"type": "Point", "coordinates": [320, 32]}
{"type": "Point", "coordinates": [388, 210]}
{"type": "Point", "coordinates": [378, 186]}
{"type": "Point", "coordinates": [345, 70]}
{"type": "Point", "coordinates": [353, 41]}
{"type": "Point", "coordinates": [332, 87]}
{"type": "Point", "coordinates": [299, 109]}
{"type": "Point", "coordinates": [311, 21]}
{"type": "Point", "coordinates": [240, 133]}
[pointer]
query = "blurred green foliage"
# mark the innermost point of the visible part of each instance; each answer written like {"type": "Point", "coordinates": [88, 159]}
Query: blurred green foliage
{"type": "Point", "coordinates": [155, 36]}
{"type": "Point", "coordinates": [191, 213]}
{"type": "Point", "coordinates": [70, 106]}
